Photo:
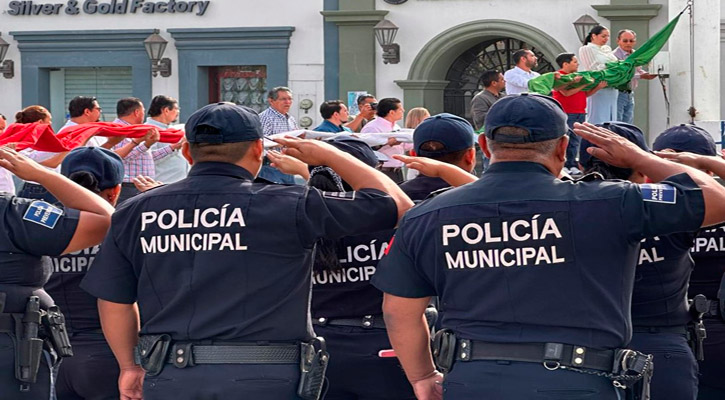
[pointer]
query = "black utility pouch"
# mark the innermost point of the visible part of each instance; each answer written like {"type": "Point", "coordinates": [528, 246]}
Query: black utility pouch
{"type": "Point", "coordinates": [152, 352]}
{"type": "Point", "coordinates": [444, 350]}
{"type": "Point", "coordinates": [313, 364]}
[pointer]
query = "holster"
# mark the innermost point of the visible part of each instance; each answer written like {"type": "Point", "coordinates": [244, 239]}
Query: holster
{"type": "Point", "coordinates": [29, 347]}
{"type": "Point", "coordinates": [55, 331]}
{"type": "Point", "coordinates": [444, 350]}
{"type": "Point", "coordinates": [151, 353]}
{"type": "Point", "coordinates": [313, 364]}
{"type": "Point", "coordinates": [696, 332]}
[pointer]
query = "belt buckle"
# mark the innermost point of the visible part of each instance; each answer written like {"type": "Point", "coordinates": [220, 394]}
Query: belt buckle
{"type": "Point", "coordinates": [367, 322]}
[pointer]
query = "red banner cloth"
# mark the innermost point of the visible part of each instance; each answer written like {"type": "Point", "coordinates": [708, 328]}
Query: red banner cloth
{"type": "Point", "coordinates": [41, 137]}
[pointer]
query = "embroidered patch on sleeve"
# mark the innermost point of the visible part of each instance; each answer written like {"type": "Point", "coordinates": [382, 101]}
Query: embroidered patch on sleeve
{"type": "Point", "coordinates": [659, 193]}
{"type": "Point", "coordinates": [43, 213]}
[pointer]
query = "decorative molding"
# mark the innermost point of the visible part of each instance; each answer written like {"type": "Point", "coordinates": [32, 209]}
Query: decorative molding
{"type": "Point", "coordinates": [90, 40]}
{"type": "Point", "coordinates": [366, 17]}
{"type": "Point", "coordinates": [628, 12]}
{"type": "Point", "coordinates": [232, 38]}
{"type": "Point", "coordinates": [422, 84]}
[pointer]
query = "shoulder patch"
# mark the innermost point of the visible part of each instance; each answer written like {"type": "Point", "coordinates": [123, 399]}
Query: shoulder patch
{"type": "Point", "coordinates": [659, 193]}
{"type": "Point", "coordinates": [339, 195]}
{"type": "Point", "coordinates": [43, 213]}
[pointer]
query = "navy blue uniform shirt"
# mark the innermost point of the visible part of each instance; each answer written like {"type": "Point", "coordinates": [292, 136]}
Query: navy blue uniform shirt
{"type": "Point", "coordinates": [521, 256]}
{"type": "Point", "coordinates": [420, 187]}
{"type": "Point", "coordinates": [216, 256]}
{"type": "Point", "coordinates": [346, 292]}
{"type": "Point", "coordinates": [708, 253]}
{"type": "Point", "coordinates": [31, 229]}
{"type": "Point", "coordinates": [79, 308]}
{"type": "Point", "coordinates": [660, 281]}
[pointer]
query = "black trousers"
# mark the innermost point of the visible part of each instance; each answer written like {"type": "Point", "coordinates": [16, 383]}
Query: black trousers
{"type": "Point", "coordinates": [675, 372]}
{"type": "Point", "coordinates": [524, 381]}
{"type": "Point", "coordinates": [712, 370]}
{"type": "Point", "coordinates": [9, 386]}
{"type": "Point", "coordinates": [356, 372]}
{"type": "Point", "coordinates": [92, 372]}
{"type": "Point", "coordinates": [219, 382]}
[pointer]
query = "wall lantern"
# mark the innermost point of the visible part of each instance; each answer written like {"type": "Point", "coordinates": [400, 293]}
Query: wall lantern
{"type": "Point", "coordinates": [583, 25]}
{"type": "Point", "coordinates": [7, 67]}
{"type": "Point", "coordinates": [155, 46]}
{"type": "Point", "coordinates": [385, 32]}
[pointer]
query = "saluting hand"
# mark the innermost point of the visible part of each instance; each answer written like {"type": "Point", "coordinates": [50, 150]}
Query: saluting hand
{"type": "Point", "coordinates": [288, 165]}
{"type": "Point", "coordinates": [23, 167]}
{"type": "Point", "coordinates": [311, 152]}
{"type": "Point", "coordinates": [144, 183]}
{"type": "Point", "coordinates": [611, 148]}
{"type": "Point", "coordinates": [426, 166]}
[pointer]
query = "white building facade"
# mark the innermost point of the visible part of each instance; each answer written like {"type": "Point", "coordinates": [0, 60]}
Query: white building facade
{"type": "Point", "coordinates": [236, 50]}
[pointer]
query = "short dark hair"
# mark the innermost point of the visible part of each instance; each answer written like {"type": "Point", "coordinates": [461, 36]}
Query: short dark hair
{"type": "Point", "coordinates": [453, 157]}
{"type": "Point", "coordinates": [386, 105]}
{"type": "Point", "coordinates": [489, 77]}
{"type": "Point", "coordinates": [160, 102]}
{"type": "Point", "coordinates": [532, 148]}
{"type": "Point", "coordinates": [79, 104]}
{"type": "Point", "coordinates": [518, 55]}
{"type": "Point", "coordinates": [3, 117]}
{"type": "Point", "coordinates": [127, 106]}
{"type": "Point", "coordinates": [274, 92]}
{"type": "Point", "coordinates": [328, 108]}
{"type": "Point", "coordinates": [220, 152]}
{"type": "Point", "coordinates": [361, 99]}
{"type": "Point", "coordinates": [563, 58]}
{"type": "Point", "coordinates": [594, 31]}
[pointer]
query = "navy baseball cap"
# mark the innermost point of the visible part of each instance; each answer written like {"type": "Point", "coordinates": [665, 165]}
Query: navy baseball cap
{"type": "Point", "coordinates": [358, 149]}
{"type": "Point", "coordinates": [627, 131]}
{"type": "Point", "coordinates": [541, 116]}
{"type": "Point", "coordinates": [105, 165]}
{"type": "Point", "coordinates": [454, 132]}
{"type": "Point", "coordinates": [686, 137]}
{"type": "Point", "coordinates": [223, 123]}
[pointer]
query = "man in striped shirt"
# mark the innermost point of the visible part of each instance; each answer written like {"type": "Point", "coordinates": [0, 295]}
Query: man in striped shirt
{"type": "Point", "coordinates": [276, 119]}
{"type": "Point", "coordinates": [138, 158]}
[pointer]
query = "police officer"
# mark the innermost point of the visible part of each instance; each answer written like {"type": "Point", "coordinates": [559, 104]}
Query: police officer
{"type": "Point", "coordinates": [535, 274]}
{"type": "Point", "coordinates": [443, 137]}
{"type": "Point", "coordinates": [31, 230]}
{"type": "Point", "coordinates": [346, 308]}
{"type": "Point", "coordinates": [92, 372]}
{"type": "Point", "coordinates": [221, 266]}
{"type": "Point", "coordinates": [695, 147]}
{"type": "Point", "coordinates": [661, 319]}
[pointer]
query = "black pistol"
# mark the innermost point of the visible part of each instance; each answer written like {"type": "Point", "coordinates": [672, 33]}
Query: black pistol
{"type": "Point", "coordinates": [699, 305]}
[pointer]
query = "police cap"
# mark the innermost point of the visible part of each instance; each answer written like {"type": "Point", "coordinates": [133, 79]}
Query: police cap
{"type": "Point", "coordinates": [105, 165]}
{"type": "Point", "coordinates": [454, 132]}
{"type": "Point", "coordinates": [541, 116]}
{"type": "Point", "coordinates": [358, 149]}
{"type": "Point", "coordinates": [686, 137]}
{"type": "Point", "coordinates": [627, 131]}
{"type": "Point", "coordinates": [223, 123]}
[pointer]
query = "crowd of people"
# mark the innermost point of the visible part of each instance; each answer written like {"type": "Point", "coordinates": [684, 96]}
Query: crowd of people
{"type": "Point", "coordinates": [218, 267]}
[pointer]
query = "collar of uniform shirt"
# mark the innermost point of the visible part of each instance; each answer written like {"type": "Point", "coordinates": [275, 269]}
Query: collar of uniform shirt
{"type": "Point", "coordinates": [517, 166]}
{"type": "Point", "coordinates": [220, 168]}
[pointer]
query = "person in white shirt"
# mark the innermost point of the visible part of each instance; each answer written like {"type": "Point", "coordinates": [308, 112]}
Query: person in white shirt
{"type": "Point", "coordinates": [594, 56]}
{"type": "Point", "coordinates": [517, 78]}
{"type": "Point", "coordinates": [164, 110]}
{"type": "Point", "coordinates": [388, 111]}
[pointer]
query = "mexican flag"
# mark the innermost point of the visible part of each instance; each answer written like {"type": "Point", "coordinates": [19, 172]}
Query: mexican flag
{"type": "Point", "coordinates": [617, 74]}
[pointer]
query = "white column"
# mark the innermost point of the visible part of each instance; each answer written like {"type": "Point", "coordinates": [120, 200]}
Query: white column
{"type": "Point", "coordinates": [706, 57]}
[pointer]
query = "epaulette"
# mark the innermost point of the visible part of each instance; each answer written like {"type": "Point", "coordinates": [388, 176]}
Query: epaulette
{"type": "Point", "coordinates": [436, 193]}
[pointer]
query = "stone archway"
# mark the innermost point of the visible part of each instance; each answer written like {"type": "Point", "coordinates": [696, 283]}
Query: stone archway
{"type": "Point", "coordinates": [426, 78]}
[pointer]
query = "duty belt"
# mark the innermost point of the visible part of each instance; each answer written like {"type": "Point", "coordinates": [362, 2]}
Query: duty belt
{"type": "Point", "coordinates": [188, 354]}
{"type": "Point", "coordinates": [367, 322]}
{"type": "Point", "coordinates": [680, 330]}
{"type": "Point", "coordinates": [552, 355]}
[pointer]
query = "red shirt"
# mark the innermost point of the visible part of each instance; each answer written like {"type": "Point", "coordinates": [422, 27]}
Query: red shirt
{"type": "Point", "coordinates": [574, 104]}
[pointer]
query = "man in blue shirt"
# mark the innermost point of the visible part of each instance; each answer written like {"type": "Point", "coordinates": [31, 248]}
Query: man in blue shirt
{"type": "Point", "coordinates": [534, 274]}
{"type": "Point", "coordinates": [335, 114]}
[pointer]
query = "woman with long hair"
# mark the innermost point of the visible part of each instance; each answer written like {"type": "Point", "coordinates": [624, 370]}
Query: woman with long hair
{"type": "Point", "coordinates": [594, 56]}
{"type": "Point", "coordinates": [412, 120]}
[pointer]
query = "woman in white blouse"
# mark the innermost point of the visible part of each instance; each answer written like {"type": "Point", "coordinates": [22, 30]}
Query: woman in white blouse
{"type": "Point", "coordinates": [593, 56]}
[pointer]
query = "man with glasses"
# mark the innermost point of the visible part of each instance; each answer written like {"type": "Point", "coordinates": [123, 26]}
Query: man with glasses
{"type": "Point", "coordinates": [164, 110]}
{"type": "Point", "coordinates": [626, 39]}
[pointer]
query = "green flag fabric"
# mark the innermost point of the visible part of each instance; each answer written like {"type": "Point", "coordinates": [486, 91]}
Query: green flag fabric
{"type": "Point", "coordinates": [617, 74]}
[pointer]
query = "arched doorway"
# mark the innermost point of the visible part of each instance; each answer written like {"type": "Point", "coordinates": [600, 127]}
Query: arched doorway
{"type": "Point", "coordinates": [464, 75]}
{"type": "Point", "coordinates": [427, 78]}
